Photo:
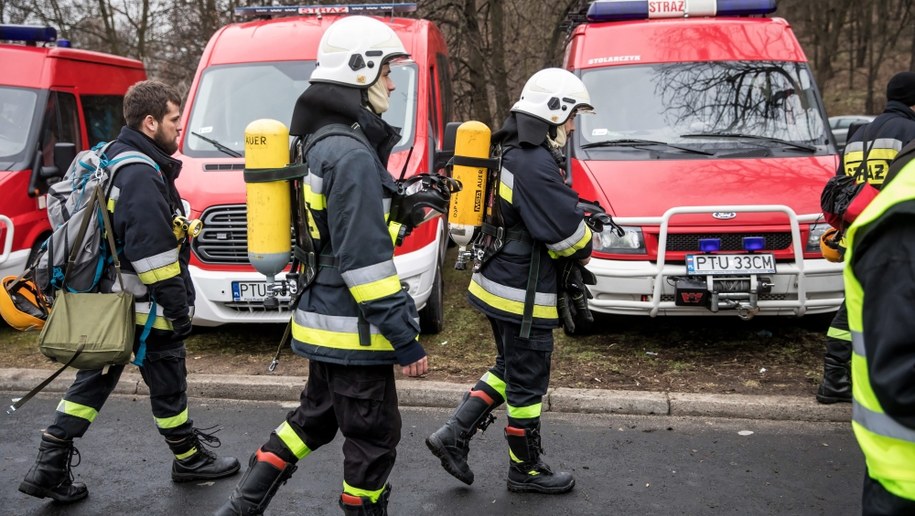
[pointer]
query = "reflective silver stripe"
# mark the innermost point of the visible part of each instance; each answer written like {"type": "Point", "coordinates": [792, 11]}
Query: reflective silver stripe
{"type": "Point", "coordinates": [154, 262]}
{"type": "Point", "coordinates": [511, 293]}
{"type": "Point", "coordinates": [142, 307]}
{"type": "Point", "coordinates": [507, 178]}
{"type": "Point", "coordinates": [132, 284]}
{"type": "Point", "coordinates": [115, 193]}
{"type": "Point", "coordinates": [879, 143]}
{"type": "Point", "coordinates": [386, 205]}
{"type": "Point", "coordinates": [315, 182]}
{"type": "Point", "coordinates": [364, 275]}
{"type": "Point", "coordinates": [570, 241]}
{"type": "Point", "coordinates": [334, 323]}
{"type": "Point", "coordinates": [857, 343]}
{"type": "Point", "coordinates": [881, 424]}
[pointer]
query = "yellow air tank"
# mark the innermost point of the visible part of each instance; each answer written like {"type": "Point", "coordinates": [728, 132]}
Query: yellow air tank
{"type": "Point", "coordinates": [268, 202]}
{"type": "Point", "coordinates": [466, 207]}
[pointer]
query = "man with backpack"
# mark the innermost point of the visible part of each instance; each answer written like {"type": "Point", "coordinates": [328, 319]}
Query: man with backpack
{"type": "Point", "coordinates": [353, 321]}
{"type": "Point", "coordinates": [142, 202]}
{"type": "Point", "coordinates": [869, 152]}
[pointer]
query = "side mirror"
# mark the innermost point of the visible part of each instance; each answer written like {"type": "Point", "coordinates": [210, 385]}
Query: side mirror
{"type": "Point", "coordinates": [64, 154]}
{"type": "Point", "coordinates": [442, 157]}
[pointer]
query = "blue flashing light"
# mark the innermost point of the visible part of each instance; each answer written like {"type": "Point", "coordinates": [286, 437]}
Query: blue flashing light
{"type": "Point", "coordinates": [756, 243]}
{"type": "Point", "coordinates": [620, 10]}
{"type": "Point", "coordinates": [709, 245]}
{"type": "Point", "coordinates": [64, 43]}
{"type": "Point", "coordinates": [320, 10]}
{"type": "Point", "coordinates": [28, 33]}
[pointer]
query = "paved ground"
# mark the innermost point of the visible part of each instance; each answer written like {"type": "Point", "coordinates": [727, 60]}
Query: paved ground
{"type": "Point", "coordinates": [624, 464]}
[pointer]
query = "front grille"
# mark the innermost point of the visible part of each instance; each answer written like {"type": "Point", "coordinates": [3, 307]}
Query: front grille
{"type": "Point", "coordinates": [729, 241]}
{"type": "Point", "coordinates": [762, 297]}
{"type": "Point", "coordinates": [222, 167]}
{"type": "Point", "coordinates": [224, 238]}
{"type": "Point", "coordinates": [255, 307]}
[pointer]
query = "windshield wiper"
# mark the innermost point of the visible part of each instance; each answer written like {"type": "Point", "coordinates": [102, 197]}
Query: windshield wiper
{"type": "Point", "coordinates": [632, 142]}
{"type": "Point", "coordinates": [801, 146]}
{"type": "Point", "coordinates": [219, 146]}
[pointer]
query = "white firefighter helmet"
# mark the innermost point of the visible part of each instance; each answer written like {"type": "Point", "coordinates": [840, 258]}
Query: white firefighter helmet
{"type": "Point", "coordinates": [353, 49]}
{"type": "Point", "coordinates": [553, 95]}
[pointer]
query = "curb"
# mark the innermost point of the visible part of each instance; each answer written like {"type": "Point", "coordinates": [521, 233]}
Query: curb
{"type": "Point", "coordinates": [422, 393]}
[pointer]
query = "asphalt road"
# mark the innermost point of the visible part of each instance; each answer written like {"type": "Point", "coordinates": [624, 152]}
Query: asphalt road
{"type": "Point", "coordinates": [629, 465]}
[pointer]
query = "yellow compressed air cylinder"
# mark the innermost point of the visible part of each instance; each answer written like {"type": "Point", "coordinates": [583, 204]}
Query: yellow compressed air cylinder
{"type": "Point", "coordinates": [466, 208]}
{"type": "Point", "coordinates": [268, 203]}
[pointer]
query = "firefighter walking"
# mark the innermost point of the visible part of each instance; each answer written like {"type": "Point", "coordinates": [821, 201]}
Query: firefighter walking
{"type": "Point", "coordinates": [872, 148]}
{"type": "Point", "coordinates": [879, 288]}
{"type": "Point", "coordinates": [516, 287]}
{"type": "Point", "coordinates": [143, 203]}
{"type": "Point", "coordinates": [354, 321]}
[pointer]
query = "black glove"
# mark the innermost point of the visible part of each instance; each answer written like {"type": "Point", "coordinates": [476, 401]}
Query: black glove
{"type": "Point", "coordinates": [566, 311]}
{"type": "Point", "coordinates": [182, 328]}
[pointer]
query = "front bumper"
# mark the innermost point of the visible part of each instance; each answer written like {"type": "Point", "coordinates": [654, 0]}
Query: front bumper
{"type": "Point", "coordinates": [214, 305]}
{"type": "Point", "coordinates": [800, 287]}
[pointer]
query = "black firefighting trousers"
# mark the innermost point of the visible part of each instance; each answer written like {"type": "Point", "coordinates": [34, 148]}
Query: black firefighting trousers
{"type": "Point", "coordinates": [163, 371]}
{"type": "Point", "coordinates": [524, 366]}
{"type": "Point", "coordinates": [838, 337]}
{"type": "Point", "coordinates": [876, 500]}
{"type": "Point", "coordinates": [360, 401]}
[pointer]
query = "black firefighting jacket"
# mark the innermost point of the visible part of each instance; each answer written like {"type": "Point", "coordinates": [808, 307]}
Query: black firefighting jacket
{"type": "Point", "coordinates": [885, 135]}
{"type": "Point", "coordinates": [143, 202]}
{"type": "Point", "coordinates": [355, 312]}
{"type": "Point", "coordinates": [532, 198]}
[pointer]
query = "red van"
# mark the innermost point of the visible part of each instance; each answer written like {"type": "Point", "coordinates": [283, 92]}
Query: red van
{"type": "Point", "coordinates": [257, 69]}
{"type": "Point", "coordinates": [54, 102]}
{"type": "Point", "coordinates": [710, 146]}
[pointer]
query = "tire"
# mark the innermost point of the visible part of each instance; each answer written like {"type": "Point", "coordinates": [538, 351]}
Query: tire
{"type": "Point", "coordinates": [432, 316]}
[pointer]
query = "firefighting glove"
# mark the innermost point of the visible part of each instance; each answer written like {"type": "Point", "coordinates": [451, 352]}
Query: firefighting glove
{"type": "Point", "coordinates": [573, 296]}
{"type": "Point", "coordinates": [182, 328]}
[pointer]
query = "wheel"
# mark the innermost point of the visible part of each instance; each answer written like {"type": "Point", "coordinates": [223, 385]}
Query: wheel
{"type": "Point", "coordinates": [432, 316]}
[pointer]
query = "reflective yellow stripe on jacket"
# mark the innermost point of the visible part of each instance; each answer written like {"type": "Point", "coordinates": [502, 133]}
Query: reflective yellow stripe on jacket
{"type": "Point", "coordinates": [510, 299]}
{"type": "Point", "coordinates": [335, 331]}
{"type": "Point", "coordinates": [888, 446]}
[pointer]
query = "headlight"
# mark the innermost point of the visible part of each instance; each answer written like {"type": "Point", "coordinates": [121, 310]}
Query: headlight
{"type": "Point", "coordinates": [813, 240]}
{"type": "Point", "coordinates": [630, 243]}
{"type": "Point", "coordinates": [187, 207]}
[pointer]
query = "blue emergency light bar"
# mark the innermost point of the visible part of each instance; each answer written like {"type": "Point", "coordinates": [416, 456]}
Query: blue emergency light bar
{"type": "Point", "coordinates": [320, 10]}
{"type": "Point", "coordinates": [620, 10]}
{"type": "Point", "coordinates": [28, 33]}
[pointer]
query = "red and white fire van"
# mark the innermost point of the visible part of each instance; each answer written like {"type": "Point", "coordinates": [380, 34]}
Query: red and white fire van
{"type": "Point", "coordinates": [257, 69]}
{"type": "Point", "coordinates": [54, 101]}
{"type": "Point", "coordinates": [710, 147]}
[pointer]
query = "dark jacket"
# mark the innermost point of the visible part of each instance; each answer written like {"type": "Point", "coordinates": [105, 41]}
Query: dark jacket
{"type": "Point", "coordinates": [143, 202]}
{"type": "Point", "coordinates": [355, 312]}
{"type": "Point", "coordinates": [881, 140]}
{"type": "Point", "coordinates": [532, 197]}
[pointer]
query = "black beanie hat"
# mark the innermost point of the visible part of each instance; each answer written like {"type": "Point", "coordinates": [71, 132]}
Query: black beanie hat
{"type": "Point", "coordinates": [902, 88]}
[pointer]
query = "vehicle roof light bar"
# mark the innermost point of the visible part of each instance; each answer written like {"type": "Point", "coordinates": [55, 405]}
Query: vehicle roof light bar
{"type": "Point", "coordinates": [320, 10]}
{"type": "Point", "coordinates": [28, 33]}
{"type": "Point", "coordinates": [620, 10]}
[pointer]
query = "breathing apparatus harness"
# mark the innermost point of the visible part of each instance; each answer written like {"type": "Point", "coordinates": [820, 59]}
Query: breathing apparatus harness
{"type": "Point", "coordinates": [415, 200]}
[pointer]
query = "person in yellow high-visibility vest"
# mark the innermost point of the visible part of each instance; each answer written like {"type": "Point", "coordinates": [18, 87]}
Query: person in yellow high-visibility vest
{"type": "Point", "coordinates": [879, 289]}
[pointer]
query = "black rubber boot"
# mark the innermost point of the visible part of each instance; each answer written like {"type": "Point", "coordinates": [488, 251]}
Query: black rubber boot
{"type": "Point", "coordinates": [451, 442]}
{"type": "Point", "coordinates": [266, 473]}
{"type": "Point", "coordinates": [836, 386]}
{"type": "Point", "coordinates": [51, 475]}
{"type": "Point", "coordinates": [527, 473]}
{"type": "Point", "coordinates": [199, 463]}
{"type": "Point", "coordinates": [362, 506]}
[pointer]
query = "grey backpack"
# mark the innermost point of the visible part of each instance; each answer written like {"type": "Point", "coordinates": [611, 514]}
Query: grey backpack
{"type": "Point", "coordinates": [75, 256]}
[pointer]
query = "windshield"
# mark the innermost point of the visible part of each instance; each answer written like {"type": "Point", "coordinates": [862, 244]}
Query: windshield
{"type": "Point", "coordinates": [17, 113]}
{"type": "Point", "coordinates": [232, 96]}
{"type": "Point", "coordinates": [684, 103]}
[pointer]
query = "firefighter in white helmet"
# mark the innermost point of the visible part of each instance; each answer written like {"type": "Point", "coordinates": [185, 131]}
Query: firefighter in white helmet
{"type": "Point", "coordinates": [516, 288]}
{"type": "Point", "coordinates": [353, 322]}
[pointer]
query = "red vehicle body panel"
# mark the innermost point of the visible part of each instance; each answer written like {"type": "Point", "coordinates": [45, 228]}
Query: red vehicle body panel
{"type": "Point", "coordinates": [51, 69]}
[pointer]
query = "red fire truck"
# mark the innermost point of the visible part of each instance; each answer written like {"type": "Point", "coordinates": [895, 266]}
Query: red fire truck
{"type": "Point", "coordinates": [710, 147]}
{"type": "Point", "coordinates": [257, 69]}
{"type": "Point", "coordinates": [54, 101]}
